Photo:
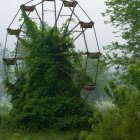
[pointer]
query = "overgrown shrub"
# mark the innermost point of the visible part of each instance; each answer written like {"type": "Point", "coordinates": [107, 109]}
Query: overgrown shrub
{"type": "Point", "coordinates": [47, 93]}
{"type": "Point", "coordinates": [5, 122]}
{"type": "Point", "coordinates": [58, 112]}
{"type": "Point", "coordinates": [118, 124]}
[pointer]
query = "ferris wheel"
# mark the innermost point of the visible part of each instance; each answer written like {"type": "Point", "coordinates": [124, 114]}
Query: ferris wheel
{"type": "Point", "coordinates": [55, 13]}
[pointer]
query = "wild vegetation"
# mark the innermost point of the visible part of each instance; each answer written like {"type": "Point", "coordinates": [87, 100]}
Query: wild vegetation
{"type": "Point", "coordinates": [122, 123]}
{"type": "Point", "coordinates": [47, 92]}
{"type": "Point", "coordinates": [46, 97]}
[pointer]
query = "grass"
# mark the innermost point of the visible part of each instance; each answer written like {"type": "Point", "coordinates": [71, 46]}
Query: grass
{"type": "Point", "coordinates": [47, 135]}
{"type": "Point", "coordinates": [105, 106]}
{"type": "Point", "coordinates": [5, 135]}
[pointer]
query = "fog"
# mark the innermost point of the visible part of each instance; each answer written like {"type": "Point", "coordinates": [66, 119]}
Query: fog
{"type": "Point", "coordinates": [94, 9]}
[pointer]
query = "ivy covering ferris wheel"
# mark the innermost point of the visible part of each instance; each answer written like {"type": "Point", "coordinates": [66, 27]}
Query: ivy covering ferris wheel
{"type": "Point", "coordinates": [55, 13]}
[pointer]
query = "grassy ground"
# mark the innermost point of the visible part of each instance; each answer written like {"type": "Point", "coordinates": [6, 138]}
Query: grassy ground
{"type": "Point", "coordinates": [105, 106]}
{"type": "Point", "coordinates": [37, 136]}
{"type": "Point", "coordinates": [48, 135]}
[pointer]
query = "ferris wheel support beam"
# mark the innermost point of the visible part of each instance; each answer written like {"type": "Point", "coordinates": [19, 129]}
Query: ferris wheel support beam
{"type": "Point", "coordinates": [70, 18]}
{"type": "Point", "coordinates": [55, 10]}
{"type": "Point", "coordinates": [75, 14]}
{"type": "Point", "coordinates": [58, 15]}
{"type": "Point", "coordinates": [84, 12]}
{"type": "Point", "coordinates": [87, 96]}
{"type": "Point", "coordinates": [16, 47]}
{"type": "Point", "coordinates": [23, 22]}
{"type": "Point", "coordinates": [79, 35]}
{"type": "Point", "coordinates": [5, 45]}
{"type": "Point", "coordinates": [29, 2]}
{"type": "Point", "coordinates": [38, 15]}
{"type": "Point", "coordinates": [96, 39]}
{"type": "Point", "coordinates": [73, 28]}
{"type": "Point", "coordinates": [17, 37]}
{"type": "Point", "coordinates": [86, 64]}
{"type": "Point", "coordinates": [17, 70]}
{"type": "Point", "coordinates": [42, 14]}
{"type": "Point", "coordinates": [37, 4]}
{"type": "Point", "coordinates": [97, 68]}
{"type": "Point", "coordinates": [85, 39]}
{"type": "Point", "coordinates": [14, 18]}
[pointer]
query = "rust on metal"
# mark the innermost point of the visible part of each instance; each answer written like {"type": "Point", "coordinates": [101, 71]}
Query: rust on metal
{"type": "Point", "coordinates": [86, 24]}
{"type": "Point", "coordinates": [89, 87]}
{"type": "Point", "coordinates": [28, 8]}
{"type": "Point", "coordinates": [13, 31]}
{"type": "Point", "coordinates": [9, 61]}
{"type": "Point", "coordinates": [70, 3]}
{"type": "Point", "coordinates": [93, 55]}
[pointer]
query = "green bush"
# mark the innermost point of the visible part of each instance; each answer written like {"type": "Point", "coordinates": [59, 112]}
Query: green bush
{"type": "Point", "coordinates": [58, 112]}
{"type": "Point", "coordinates": [30, 135]}
{"type": "Point", "coordinates": [5, 122]}
{"type": "Point", "coordinates": [47, 93]}
{"type": "Point", "coordinates": [118, 124]}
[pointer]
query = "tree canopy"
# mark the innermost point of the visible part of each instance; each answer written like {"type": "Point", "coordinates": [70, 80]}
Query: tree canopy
{"type": "Point", "coordinates": [123, 121]}
{"type": "Point", "coordinates": [124, 16]}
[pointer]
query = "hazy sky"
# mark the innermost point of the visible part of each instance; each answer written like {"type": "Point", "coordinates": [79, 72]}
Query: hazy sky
{"type": "Point", "coordinates": [94, 8]}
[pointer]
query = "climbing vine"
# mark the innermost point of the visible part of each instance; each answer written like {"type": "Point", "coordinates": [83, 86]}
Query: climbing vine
{"type": "Point", "coordinates": [47, 94]}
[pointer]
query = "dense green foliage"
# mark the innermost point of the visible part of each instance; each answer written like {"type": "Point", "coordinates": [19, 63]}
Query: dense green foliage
{"type": "Point", "coordinates": [47, 93]}
{"type": "Point", "coordinates": [134, 74]}
{"type": "Point", "coordinates": [119, 124]}
{"type": "Point", "coordinates": [124, 16]}
{"type": "Point", "coordinates": [124, 57]}
{"type": "Point", "coordinates": [122, 123]}
{"type": "Point", "coordinates": [48, 135]}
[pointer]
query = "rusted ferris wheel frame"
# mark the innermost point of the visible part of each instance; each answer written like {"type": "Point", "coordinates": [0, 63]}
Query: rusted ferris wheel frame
{"type": "Point", "coordinates": [71, 5]}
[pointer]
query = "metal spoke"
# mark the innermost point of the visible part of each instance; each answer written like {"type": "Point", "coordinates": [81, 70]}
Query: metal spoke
{"type": "Point", "coordinates": [73, 29]}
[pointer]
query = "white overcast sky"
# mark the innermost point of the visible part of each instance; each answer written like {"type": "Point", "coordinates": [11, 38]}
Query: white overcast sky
{"type": "Point", "coordinates": [94, 8]}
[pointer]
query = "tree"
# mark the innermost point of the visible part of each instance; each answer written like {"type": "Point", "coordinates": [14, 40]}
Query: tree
{"type": "Point", "coordinates": [123, 122]}
{"type": "Point", "coordinates": [47, 94]}
{"type": "Point", "coordinates": [124, 16]}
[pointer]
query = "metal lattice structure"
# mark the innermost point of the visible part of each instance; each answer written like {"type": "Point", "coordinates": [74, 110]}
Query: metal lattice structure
{"type": "Point", "coordinates": [60, 12]}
